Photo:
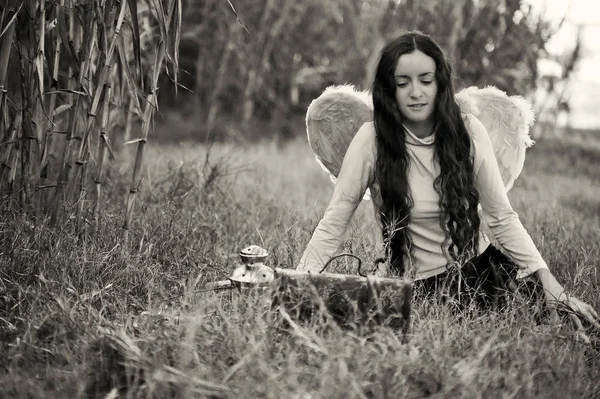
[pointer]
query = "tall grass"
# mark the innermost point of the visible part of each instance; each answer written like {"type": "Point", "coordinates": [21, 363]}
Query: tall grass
{"type": "Point", "coordinates": [63, 65]}
{"type": "Point", "coordinates": [80, 318]}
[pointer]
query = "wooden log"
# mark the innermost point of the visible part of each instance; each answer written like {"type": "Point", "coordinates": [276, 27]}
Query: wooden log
{"type": "Point", "coordinates": [215, 286]}
{"type": "Point", "coordinates": [349, 299]}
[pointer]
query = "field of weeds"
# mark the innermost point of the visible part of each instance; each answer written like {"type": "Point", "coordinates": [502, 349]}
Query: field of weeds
{"type": "Point", "coordinates": [82, 317]}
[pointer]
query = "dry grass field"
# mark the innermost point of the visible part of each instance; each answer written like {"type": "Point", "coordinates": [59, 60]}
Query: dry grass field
{"type": "Point", "coordinates": [80, 317]}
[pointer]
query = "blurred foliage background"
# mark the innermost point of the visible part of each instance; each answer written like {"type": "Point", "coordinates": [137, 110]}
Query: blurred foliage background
{"type": "Point", "coordinates": [79, 78]}
{"type": "Point", "coordinates": [256, 75]}
{"type": "Point", "coordinates": [258, 79]}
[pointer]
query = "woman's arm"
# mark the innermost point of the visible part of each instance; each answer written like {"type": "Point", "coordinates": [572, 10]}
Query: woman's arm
{"type": "Point", "coordinates": [508, 229]}
{"type": "Point", "coordinates": [502, 219]}
{"type": "Point", "coordinates": [355, 176]}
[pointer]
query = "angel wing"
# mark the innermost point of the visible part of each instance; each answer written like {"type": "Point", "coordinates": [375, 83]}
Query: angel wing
{"type": "Point", "coordinates": [507, 121]}
{"type": "Point", "coordinates": [332, 120]}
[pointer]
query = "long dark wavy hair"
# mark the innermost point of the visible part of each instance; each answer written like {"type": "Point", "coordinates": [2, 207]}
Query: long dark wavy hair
{"type": "Point", "coordinates": [455, 184]}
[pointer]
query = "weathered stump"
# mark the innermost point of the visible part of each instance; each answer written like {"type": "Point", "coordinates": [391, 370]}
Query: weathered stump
{"type": "Point", "coordinates": [348, 299]}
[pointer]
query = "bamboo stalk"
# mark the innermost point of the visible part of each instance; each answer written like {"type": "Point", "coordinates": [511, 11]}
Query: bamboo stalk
{"type": "Point", "coordinates": [74, 106]}
{"type": "Point", "coordinates": [29, 97]}
{"type": "Point", "coordinates": [6, 162]}
{"type": "Point", "coordinates": [5, 47]}
{"type": "Point", "coordinates": [66, 154]}
{"type": "Point", "coordinates": [12, 154]}
{"type": "Point", "coordinates": [82, 190]}
{"type": "Point", "coordinates": [12, 162]}
{"type": "Point", "coordinates": [89, 37]}
{"type": "Point", "coordinates": [4, 119]}
{"type": "Point", "coordinates": [35, 147]}
{"type": "Point", "coordinates": [129, 119]}
{"type": "Point", "coordinates": [72, 42]}
{"type": "Point", "coordinates": [137, 167]}
{"type": "Point", "coordinates": [161, 55]}
{"type": "Point", "coordinates": [129, 86]}
{"type": "Point", "coordinates": [103, 78]}
{"type": "Point", "coordinates": [102, 144]}
{"type": "Point", "coordinates": [39, 57]}
{"type": "Point", "coordinates": [8, 17]}
{"type": "Point", "coordinates": [90, 89]}
{"type": "Point", "coordinates": [47, 136]}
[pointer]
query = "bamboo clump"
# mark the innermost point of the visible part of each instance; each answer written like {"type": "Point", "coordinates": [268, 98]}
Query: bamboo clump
{"type": "Point", "coordinates": [63, 65]}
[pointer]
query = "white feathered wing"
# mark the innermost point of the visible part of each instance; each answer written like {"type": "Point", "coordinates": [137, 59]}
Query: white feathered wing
{"type": "Point", "coordinates": [335, 116]}
{"type": "Point", "coordinates": [507, 121]}
{"type": "Point", "coordinates": [332, 120]}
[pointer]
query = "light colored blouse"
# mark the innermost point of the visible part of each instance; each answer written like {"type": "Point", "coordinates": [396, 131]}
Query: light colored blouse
{"type": "Point", "coordinates": [427, 236]}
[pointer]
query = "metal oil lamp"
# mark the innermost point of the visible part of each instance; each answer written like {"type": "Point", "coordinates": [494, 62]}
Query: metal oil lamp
{"type": "Point", "coordinates": [252, 273]}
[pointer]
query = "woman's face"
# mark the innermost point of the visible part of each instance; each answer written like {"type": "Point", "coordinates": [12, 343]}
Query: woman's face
{"type": "Point", "coordinates": [416, 89]}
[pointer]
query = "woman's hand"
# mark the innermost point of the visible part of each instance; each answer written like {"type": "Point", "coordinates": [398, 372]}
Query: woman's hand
{"type": "Point", "coordinates": [582, 308]}
{"type": "Point", "coordinates": [556, 296]}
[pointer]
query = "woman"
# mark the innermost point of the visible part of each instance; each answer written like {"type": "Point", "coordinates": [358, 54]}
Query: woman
{"type": "Point", "coordinates": [428, 167]}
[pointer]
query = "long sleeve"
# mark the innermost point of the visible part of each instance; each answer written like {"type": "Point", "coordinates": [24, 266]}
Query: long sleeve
{"type": "Point", "coordinates": [503, 221]}
{"type": "Point", "coordinates": [355, 176]}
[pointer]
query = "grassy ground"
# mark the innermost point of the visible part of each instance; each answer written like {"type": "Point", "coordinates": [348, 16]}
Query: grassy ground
{"type": "Point", "coordinates": [79, 317]}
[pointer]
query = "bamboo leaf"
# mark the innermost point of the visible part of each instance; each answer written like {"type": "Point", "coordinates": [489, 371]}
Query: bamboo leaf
{"type": "Point", "coordinates": [11, 21]}
{"type": "Point", "coordinates": [54, 60]}
{"type": "Point", "coordinates": [102, 29]}
{"type": "Point", "coordinates": [51, 26]}
{"type": "Point", "coordinates": [39, 59]}
{"type": "Point", "coordinates": [68, 91]}
{"type": "Point", "coordinates": [137, 50]}
{"type": "Point", "coordinates": [237, 16]}
{"type": "Point", "coordinates": [111, 153]}
{"type": "Point", "coordinates": [12, 165]}
{"type": "Point", "coordinates": [13, 141]}
{"type": "Point", "coordinates": [6, 163]}
{"type": "Point", "coordinates": [62, 108]}
{"type": "Point", "coordinates": [64, 37]}
{"type": "Point", "coordinates": [160, 14]}
{"type": "Point", "coordinates": [158, 60]}
{"type": "Point", "coordinates": [46, 186]}
{"type": "Point", "coordinates": [49, 59]}
{"type": "Point", "coordinates": [141, 139]}
{"type": "Point", "coordinates": [178, 18]}
{"type": "Point", "coordinates": [5, 48]}
{"type": "Point", "coordinates": [98, 94]}
{"type": "Point", "coordinates": [171, 14]}
{"type": "Point", "coordinates": [124, 65]}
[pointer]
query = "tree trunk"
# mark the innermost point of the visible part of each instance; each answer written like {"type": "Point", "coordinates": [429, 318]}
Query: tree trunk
{"type": "Point", "coordinates": [372, 61]}
{"type": "Point", "coordinates": [267, 44]}
{"type": "Point", "coordinates": [234, 29]}
{"type": "Point", "coordinates": [456, 33]}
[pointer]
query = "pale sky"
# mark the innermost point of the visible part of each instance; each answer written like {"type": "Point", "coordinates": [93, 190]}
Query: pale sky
{"type": "Point", "coordinates": [579, 13]}
{"type": "Point", "coordinates": [585, 99]}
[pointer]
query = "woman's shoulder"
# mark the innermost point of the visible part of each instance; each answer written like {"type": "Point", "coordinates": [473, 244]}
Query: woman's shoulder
{"type": "Point", "coordinates": [482, 148]}
{"type": "Point", "coordinates": [365, 137]}
{"type": "Point", "coordinates": [474, 126]}
{"type": "Point", "coordinates": [477, 130]}
{"type": "Point", "coordinates": [364, 141]}
{"type": "Point", "coordinates": [366, 131]}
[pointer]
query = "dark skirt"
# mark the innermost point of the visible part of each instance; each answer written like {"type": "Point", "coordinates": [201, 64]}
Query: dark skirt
{"type": "Point", "coordinates": [489, 281]}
